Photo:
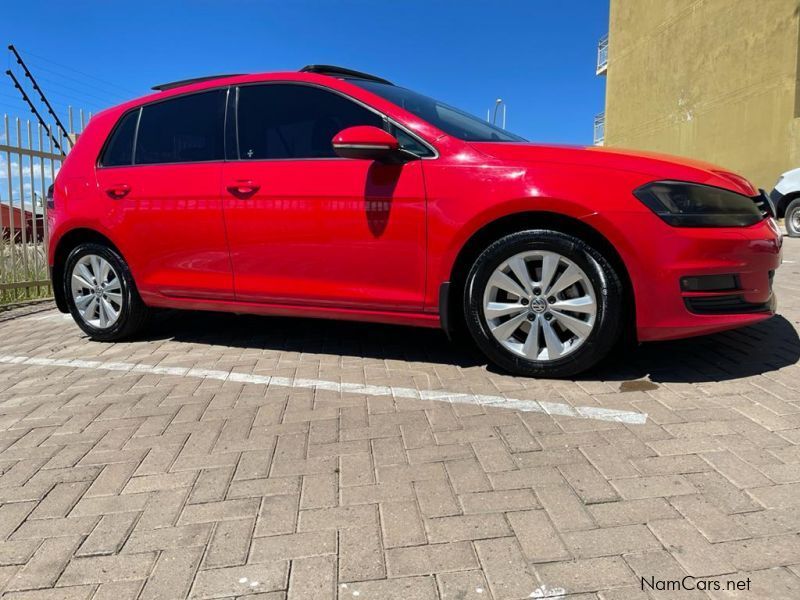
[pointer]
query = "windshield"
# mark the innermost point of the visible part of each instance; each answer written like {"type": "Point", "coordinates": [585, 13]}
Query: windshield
{"type": "Point", "coordinates": [451, 120]}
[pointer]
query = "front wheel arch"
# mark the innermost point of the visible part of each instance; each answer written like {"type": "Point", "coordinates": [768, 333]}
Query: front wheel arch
{"type": "Point", "coordinates": [453, 290]}
{"type": "Point", "coordinates": [785, 202]}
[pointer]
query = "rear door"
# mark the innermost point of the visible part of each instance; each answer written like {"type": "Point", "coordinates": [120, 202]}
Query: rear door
{"type": "Point", "coordinates": [164, 196]}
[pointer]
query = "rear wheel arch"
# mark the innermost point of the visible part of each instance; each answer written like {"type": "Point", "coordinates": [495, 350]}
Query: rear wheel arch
{"type": "Point", "coordinates": [451, 301]}
{"type": "Point", "coordinates": [66, 244]}
{"type": "Point", "coordinates": [785, 202]}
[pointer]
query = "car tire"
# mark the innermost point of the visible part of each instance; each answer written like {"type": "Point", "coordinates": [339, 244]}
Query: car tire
{"type": "Point", "coordinates": [101, 293]}
{"type": "Point", "coordinates": [792, 218]}
{"type": "Point", "coordinates": [555, 328]}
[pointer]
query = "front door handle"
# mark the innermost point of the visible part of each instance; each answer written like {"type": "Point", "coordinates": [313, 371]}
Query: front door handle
{"type": "Point", "coordinates": [118, 191]}
{"type": "Point", "coordinates": [243, 188]}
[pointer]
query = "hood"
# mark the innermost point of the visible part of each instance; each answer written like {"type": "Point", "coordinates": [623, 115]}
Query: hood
{"type": "Point", "coordinates": [658, 166]}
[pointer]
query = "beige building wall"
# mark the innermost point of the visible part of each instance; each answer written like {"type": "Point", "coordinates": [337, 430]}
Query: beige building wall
{"type": "Point", "coordinates": [716, 80]}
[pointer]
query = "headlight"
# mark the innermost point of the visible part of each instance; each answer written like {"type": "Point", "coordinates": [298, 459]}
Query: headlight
{"type": "Point", "coordinates": [682, 204]}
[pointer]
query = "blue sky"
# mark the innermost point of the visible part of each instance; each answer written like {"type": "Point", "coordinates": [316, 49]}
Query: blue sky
{"type": "Point", "coordinates": [537, 55]}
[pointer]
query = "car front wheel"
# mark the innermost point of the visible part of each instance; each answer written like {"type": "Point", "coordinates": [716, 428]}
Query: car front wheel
{"type": "Point", "coordinates": [792, 219]}
{"type": "Point", "coordinates": [101, 294]}
{"type": "Point", "coordinates": [543, 303]}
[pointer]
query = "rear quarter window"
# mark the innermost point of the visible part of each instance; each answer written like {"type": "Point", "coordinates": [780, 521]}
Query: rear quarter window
{"type": "Point", "coordinates": [119, 149]}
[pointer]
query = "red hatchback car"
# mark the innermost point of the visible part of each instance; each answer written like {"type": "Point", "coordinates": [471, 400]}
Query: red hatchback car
{"type": "Point", "coordinates": [335, 194]}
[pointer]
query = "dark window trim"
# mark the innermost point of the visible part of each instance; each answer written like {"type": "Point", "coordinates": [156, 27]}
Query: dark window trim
{"type": "Point", "coordinates": [141, 107]}
{"type": "Point", "coordinates": [136, 136]}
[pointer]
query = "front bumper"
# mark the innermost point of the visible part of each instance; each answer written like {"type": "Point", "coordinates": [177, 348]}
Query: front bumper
{"type": "Point", "coordinates": [667, 310]}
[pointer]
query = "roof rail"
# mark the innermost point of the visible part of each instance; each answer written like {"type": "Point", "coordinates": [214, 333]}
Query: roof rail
{"type": "Point", "coordinates": [173, 84]}
{"type": "Point", "coordinates": [335, 71]}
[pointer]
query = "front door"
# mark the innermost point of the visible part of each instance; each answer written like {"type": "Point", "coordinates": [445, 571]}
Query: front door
{"type": "Point", "coordinates": [306, 227]}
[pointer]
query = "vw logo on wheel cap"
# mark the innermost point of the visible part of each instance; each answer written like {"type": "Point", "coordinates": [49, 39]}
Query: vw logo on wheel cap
{"type": "Point", "coordinates": [538, 304]}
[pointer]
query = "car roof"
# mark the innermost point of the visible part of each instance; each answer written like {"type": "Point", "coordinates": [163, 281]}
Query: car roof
{"type": "Point", "coordinates": [329, 76]}
{"type": "Point", "coordinates": [329, 70]}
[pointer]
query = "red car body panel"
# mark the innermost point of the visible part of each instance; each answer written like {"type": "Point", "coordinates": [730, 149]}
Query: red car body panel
{"type": "Point", "coordinates": [356, 239]}
{"type": "Point", "coordinates": [335, 232]}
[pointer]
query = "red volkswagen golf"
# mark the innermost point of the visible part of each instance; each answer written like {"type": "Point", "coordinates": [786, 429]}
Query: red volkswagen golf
{"type": "Point", "coordinates": [335, 194]}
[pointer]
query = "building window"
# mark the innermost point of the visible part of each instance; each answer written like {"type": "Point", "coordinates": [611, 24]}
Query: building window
{"type": "Point", "coordinates": [600, 129]}
{"type": "Point", "coordinates": [602, 55]}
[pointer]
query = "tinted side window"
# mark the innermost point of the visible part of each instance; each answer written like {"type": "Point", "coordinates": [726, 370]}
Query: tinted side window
{"type": "Point", "coordinates": [185, 129]}
{"type": "Point", "coordinates": [294, 121]}
{"type": "Point", "coordinates": [119, 150]}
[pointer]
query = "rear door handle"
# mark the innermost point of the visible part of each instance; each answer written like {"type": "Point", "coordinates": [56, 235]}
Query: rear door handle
{"type": "Point", "coordinates": [243, 188]}
{"type": "Point", "coordinates": [118, 191]}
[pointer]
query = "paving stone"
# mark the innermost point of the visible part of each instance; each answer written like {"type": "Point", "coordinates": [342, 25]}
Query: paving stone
{"type": "Point", "coordinates": [341, 517]}
{"type": "Point", "coordinates": [499, 501]}
{"type": "Point", "coordinates": [467, 527]}
{"type": "Point", "coordinates": [17, 552]}
{"type": "Point", "coordinates": [234, 581]}
{"type": "Point", "coordinates": [361, 555]}
{"type": "Point", "coordinates": [167, 538]}
{"type": "Point", "coordinates": [45, 567]}
{"type": "Point", "coordinates": [431, 558]}
{"type": "Point", "coordinates": [402, 524]}
{"type": "Point", "coordinates": [610, 541]}
{"type": "Point", "coordinates": [230, 543]}
{"type": "Point", "coordinates": [51, 528]}
{"type": "Point", "coordinates": [505, 569]}
{"type": "Point", "coordinates": [656, 486]}
{"type": "Point", "coordinates": [587, 575]}
{"type": "Point", "coordinates": [777, 496]}
{"type": "Point", "coordinates": [564, 508]}
{"type": "Point", "coordinates": [79, 592]}
{"type": "Point", "coordinates": [313, 577]}
{"type": "Point", "coordinates": [109, 535]}
{"type": "Point", "coordinates": [630, 512]}
{"type": "Point", "coordinates": [463, 585]}
{"type": "Point", "coordinates": [399, 588]}
{"type": "Point", "coordinates": [115, 590]}
{"type": "Point", "coordinates": [436, 498]}
{"type": "Point", "coordinates": [173, 574]}
{"type": "Point", "coordinates": [762, 553]}
{"type": "Point", "coordinates": [60, 500]}
{"type": "Point", "coordinates": [709, 520]}
{"type": "Point", "coordinates": [103, 569]}
{"type": "Point", "coordinates": [297, 545]}
{"type": "Point", "coordinates": [537, 537]}
{"type": "Point", "coordinates": [587, 482]}
{"type": "Point", "coordinates": [218, 511]}
{"type": "Point", "coordinates": [695, 554]}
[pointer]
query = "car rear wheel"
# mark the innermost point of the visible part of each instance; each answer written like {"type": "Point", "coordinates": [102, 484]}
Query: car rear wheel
{"type": "Point", "coordinates": [101, 294]}
{"type": "Point", "coordinates": [793, 218]}
{"type": "Point", "coordinates": [543, 303]}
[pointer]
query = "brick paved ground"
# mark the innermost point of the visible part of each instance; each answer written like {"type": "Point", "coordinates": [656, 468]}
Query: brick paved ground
{"type": "Point", "coordinates": [128, 475]}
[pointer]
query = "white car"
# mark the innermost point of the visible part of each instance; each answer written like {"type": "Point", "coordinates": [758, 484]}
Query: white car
{"type": "Point", "coordinates": [786, 198]}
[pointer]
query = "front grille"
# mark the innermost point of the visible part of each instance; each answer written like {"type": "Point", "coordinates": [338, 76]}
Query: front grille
{"type": "Point", "coordinates": [725, 304]}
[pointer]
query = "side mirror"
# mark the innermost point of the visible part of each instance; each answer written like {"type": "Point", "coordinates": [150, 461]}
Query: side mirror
{"type": "Point", "coordinates": [366, 142]}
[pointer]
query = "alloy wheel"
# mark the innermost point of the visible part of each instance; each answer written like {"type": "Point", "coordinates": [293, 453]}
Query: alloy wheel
{"type": "Point", "coordinates": [540, 305]}
{"type": "Point", "coordinates": [96, 291]}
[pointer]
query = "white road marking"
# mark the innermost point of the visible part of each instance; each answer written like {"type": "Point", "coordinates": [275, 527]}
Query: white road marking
{"type": "Point", "coordinates": [550, 408]}
{"type": "Point", "coordinates": [50, 317]}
